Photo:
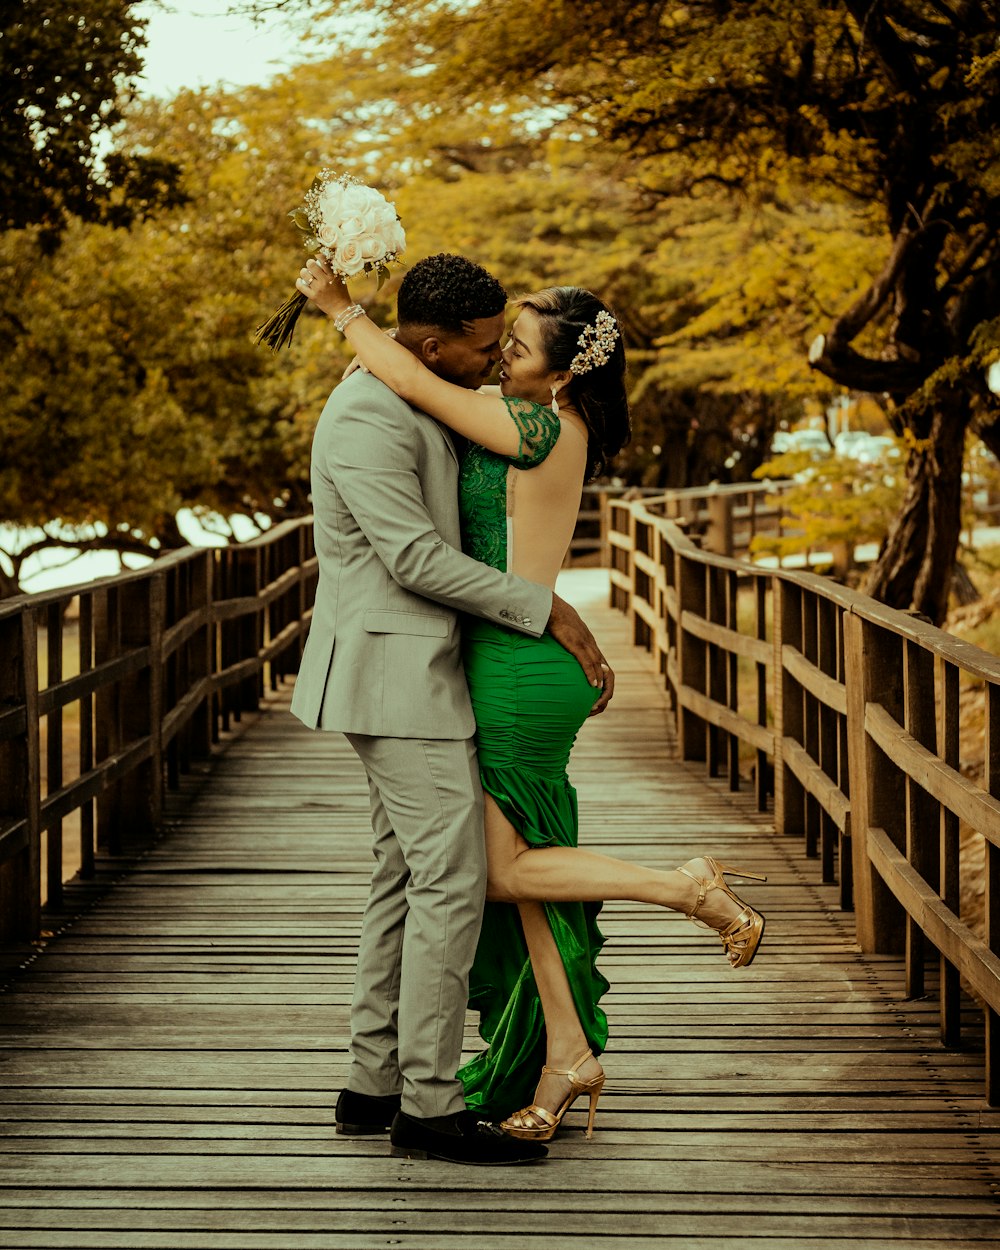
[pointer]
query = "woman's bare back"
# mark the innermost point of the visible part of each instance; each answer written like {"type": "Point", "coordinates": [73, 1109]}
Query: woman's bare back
{"type": "Point", "coordinates": [543, 503]}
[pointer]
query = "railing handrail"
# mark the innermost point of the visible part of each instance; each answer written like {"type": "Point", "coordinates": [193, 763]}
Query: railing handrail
{"type": "Point", "coordinates": [715, 489]}
{"type": "Point", "coordinates": [973, 660]}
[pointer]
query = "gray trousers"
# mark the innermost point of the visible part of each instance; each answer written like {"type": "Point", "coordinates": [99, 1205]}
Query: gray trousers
{"type": "Point", "coordinates": [422, 920]}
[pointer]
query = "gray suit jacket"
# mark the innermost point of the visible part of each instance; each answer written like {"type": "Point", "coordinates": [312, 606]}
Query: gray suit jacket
{"type": "Point", "coordinates": [383, 653]}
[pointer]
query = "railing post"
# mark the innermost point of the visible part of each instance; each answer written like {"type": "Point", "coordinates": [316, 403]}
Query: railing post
{"type": "Point", "coordinates": [86, 656]}
{"type": "Point", "coordinates": [949, 851]}
{"type": "Point", "coordinates": [302, 600]}
{"type": "Point", "coordinates": [762, 784]}
{"type": "Point", "coordinates": [622, 557]}
{"type": "Point", "coordinates": [827, 742]}
{"type": "Point", "coordinates": [991, 901]}
{"type": "Point", "coordinates": [201, 652]}
{"type": "Point", "coordinates": [54, 755]}
{"type": "Point", "coordinates": [692, 667]}
{"type": "Point", "coordinates": [249, 628]}
{"type": "Point", "coordinates": [716, 683]}
{"type": "Point", "coordinates": [789, 795]}
{"type": "Point", "coordinates": [732, 676]}
{"type": "Point", "coordinates": [844, 781]}
{"type": "Point", "coordinates": [633, 573]}
{"type": "Point", "coordinates": [922, 810]}
{"type": "Point", "coordinates": [141, 791]}
{"type": "Point", "coordinates": [877, 793]}
{"type": "Point", "coordinates": [107, 715]}
{"type": "Point", "coordinates": [664, 570]}
{"type": "Point", "coordinates": [809, 647]}
{"type": "Point", "coordinates": [719, 533]}
{"type": "Point", "coordinates": [20, 766]}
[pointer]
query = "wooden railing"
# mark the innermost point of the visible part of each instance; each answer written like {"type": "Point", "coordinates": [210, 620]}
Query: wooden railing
{"type": "Point", "coordinates": [724, 518]}
{"type": "Point", "coordinates": [849, 714]}
{"type": "Point", "coordinates": [166, 657]}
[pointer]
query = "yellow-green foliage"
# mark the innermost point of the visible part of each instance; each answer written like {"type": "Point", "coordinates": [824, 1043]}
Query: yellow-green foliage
{"type": "Point", "coordinates": [835, 500]}
{"type": "Point", "coordinates": [712, 170]}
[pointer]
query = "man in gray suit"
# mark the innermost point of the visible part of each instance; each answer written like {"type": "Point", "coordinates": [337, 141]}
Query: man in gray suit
{"type": "Point", "coordinates": [382, 665]}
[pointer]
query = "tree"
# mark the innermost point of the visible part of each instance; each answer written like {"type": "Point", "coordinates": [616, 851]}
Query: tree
{"type": "Point", "coordinates": [164, 403]}
{"type": "Point", "coordinates": [891, 103]}
{"type": "Point", "coordinates": [65, 72]}
{"type": "Point", "coordinates": [129, 387]}
{"type": "Point", "coordinates": [714, 296]}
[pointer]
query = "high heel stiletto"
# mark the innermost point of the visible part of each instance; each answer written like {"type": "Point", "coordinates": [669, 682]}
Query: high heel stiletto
{"type": "Point", "coordinates": [742, 936]}
{"type": "Point", "coordinates": [519, 1125]}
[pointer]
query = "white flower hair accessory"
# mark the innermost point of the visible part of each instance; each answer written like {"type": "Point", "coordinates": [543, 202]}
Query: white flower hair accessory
{"type": "Point", "coordinates": [598, 342]}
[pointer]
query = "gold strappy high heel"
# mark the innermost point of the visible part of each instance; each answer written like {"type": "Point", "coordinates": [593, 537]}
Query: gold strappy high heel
{"type": "Point", "coordinates": [546, 1122]}
{"type": "Point", "coordinates": [742, 936]}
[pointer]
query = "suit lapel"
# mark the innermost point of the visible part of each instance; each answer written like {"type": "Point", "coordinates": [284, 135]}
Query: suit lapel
{"type": "Point", "coordinates": [449, 441]}
{"type": "Point", "coordinates": [446, 436]}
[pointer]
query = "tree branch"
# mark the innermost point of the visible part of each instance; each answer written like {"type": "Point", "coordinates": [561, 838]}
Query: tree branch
{"type": "Point", "coordinates": [842, 364]}
{"type": "Point", "coordinates": [889, 50]}
{"type": "Point", "coordinates": [850, 324]}
{"type": "Point", "coordinates": [124, 544]}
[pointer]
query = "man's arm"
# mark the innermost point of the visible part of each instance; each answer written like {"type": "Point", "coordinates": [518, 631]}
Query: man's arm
{"type": "Point", "coordinates": [371, 460]}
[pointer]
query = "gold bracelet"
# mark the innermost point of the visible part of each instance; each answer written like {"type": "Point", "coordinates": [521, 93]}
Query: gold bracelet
{"type": "Point", "coordinates": [347, 316]}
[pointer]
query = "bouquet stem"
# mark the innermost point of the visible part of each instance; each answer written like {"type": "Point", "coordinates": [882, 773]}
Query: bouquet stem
{"type": "Point", "coordinates": [276, 332]}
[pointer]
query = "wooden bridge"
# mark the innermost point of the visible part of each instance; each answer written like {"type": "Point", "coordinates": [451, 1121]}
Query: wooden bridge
{"type": "Point", "coordinates": [170, 1056]}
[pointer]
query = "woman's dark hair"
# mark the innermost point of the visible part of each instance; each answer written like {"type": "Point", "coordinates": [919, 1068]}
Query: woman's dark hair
{"type": "Point", "coordinates": [598, 394]}
{"type": "Point", "coordinates": [447, 292]}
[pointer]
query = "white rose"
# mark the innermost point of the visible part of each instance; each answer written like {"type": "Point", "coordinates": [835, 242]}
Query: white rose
{"type": "Point", "coordinates": [395, 238]}
{"type": "Point", "coordinates": [348, 259]}
{"type": "Point", "coordinates": [330, 203]}
{"type": "Point", "coordinates": [355, 200]}
{"type": "Point", "coordinates": [370, 221]}
{"type": "Point", "coordinates": [329, 235]}
{"type": "Point", "coordinates": [384, 217]}
{"type": "Point", "coordinates": [372, 250]}
{"type": "Point", "coordinates": [352, 228]}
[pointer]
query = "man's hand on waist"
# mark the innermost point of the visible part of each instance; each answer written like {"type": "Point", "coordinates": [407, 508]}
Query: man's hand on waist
{"type": "Point", "coordinates": [569, 629]}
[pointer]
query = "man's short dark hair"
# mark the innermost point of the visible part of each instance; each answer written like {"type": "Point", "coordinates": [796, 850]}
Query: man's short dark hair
{"type": "Point", "coordinates": [447, 292]}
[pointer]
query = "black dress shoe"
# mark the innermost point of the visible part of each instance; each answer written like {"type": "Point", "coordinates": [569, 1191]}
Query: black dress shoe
{"type": "Point", "coordinates": [358, 1115]}
{"type": "Point", "coordinates": [464, 1137]}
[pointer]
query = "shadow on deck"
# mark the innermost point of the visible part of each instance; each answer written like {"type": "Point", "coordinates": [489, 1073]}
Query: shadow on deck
{"type": "Point", "coordinates": [170, 1063]}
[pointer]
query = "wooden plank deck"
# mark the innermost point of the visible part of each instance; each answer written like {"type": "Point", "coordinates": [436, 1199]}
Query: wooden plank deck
{"type": "Point", "coordinates": [169, 1064]}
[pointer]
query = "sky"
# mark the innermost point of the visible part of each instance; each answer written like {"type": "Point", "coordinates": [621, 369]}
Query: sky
{"type": "Point", "coordinates": [196, 43]}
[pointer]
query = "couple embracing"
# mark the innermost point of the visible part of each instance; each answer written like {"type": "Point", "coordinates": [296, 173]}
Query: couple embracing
{"type": "Point", "coordinates": [443, 510]}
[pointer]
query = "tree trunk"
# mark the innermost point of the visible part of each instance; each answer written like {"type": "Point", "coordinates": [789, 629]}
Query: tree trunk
{"type": "Point", "coordinates": [914, 567]}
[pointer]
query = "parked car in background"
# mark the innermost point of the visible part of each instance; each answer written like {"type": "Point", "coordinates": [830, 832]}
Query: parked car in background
{"type": "Point", "coordinates": [814, 441]}
{"type": "Point", "coordinates": [864, 447]}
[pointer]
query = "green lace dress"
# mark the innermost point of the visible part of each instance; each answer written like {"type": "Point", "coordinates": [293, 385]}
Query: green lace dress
{"type": "Point", "coordinates": [530, 698]}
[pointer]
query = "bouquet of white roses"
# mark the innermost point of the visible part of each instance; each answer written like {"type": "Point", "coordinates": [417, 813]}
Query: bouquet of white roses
{"type": "Point", "coordinates": [353, 226]}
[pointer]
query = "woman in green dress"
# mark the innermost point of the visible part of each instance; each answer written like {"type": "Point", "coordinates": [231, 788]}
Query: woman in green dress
{"type": "Point", "coordinates": [561, 414]}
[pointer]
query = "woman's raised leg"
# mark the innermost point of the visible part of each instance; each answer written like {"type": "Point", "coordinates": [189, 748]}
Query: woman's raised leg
{"type": "Point", "coordinates": [519, 873]}
{"type": "Point", "coordinates": [565, 1040]}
